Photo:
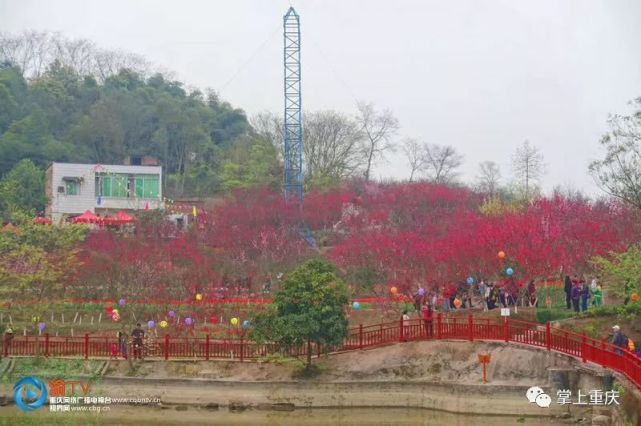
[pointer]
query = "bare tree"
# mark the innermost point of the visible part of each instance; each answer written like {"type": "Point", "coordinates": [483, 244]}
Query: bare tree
{"type": "Point", "coordinates": [414, 152]}
{"type": "Point", "coordinates": [332, 146]}
{"type": "Point", "coordinates": [378, 129]}
{"type": "Point", "coordinates": [270, 127]}
{"type": "Point", "coordinates": [528, 167]}
{"type": "Point", "coordinates": [487, 181]}
{"type": "Point", "coordinates": [619, 173]}
{"type": "Point", "coordinates": [34, 52]}
{"type": "Point", "coordinates": [441, 163]}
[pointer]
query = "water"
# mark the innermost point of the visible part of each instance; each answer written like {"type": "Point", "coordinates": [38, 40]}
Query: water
{"type": "Point", "coordinates": [129, 415]}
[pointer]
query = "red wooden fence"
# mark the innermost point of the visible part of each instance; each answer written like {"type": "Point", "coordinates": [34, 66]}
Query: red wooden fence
{"type": "Point", "coordinates": [459, 328]}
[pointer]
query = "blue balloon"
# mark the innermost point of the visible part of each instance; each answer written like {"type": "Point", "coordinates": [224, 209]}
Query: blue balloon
{"type": "Point", "coordinates": [470, 280]}
{"type": "Point", "coordinates": [509, 271]}
{"type": "Point", "coordinates": [356, 305]}
{"type": "Point", "coordinates": [246, 324]}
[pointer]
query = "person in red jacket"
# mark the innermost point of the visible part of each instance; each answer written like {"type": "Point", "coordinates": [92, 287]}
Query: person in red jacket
{"type": "Point", "coordinates": [428, 320]}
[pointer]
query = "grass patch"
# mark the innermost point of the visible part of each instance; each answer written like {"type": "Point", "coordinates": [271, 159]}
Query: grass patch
{"type": "Point", "coordinates": [544, 315]}
{"type": "Point", "coordinates": [47, 368]}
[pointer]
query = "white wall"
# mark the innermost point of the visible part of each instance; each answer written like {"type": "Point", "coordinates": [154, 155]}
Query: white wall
{"type": "Point", "coordinates": [63, 204]}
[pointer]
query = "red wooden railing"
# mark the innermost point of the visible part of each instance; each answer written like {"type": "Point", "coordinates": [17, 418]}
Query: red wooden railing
{"type": "Point", "coordinates": [458, 328]}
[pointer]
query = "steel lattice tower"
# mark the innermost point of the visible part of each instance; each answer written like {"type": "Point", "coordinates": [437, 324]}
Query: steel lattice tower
{"type": "Point", "coordinates": [292, 129]}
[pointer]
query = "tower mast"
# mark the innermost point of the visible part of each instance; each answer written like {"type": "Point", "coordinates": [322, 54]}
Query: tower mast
{"type": "Point", "coordinates": [292, 129]}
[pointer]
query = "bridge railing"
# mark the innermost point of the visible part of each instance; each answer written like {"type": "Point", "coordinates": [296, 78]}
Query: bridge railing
{"type": "Point", "coordinates": [543, 336]}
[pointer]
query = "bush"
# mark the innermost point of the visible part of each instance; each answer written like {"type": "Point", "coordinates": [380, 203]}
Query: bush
{"type": "Point", "coordinates": [545, 315]}
{"type": "Point", "coordinates": [630, 311]}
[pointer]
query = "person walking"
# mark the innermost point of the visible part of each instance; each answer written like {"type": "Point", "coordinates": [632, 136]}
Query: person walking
{"type": "Point", "coordinates": [405, 319]}
{"type": "Point", "coordinates": [619, 339]}
{"type": "Point", "coordinates": [122, 343]}
{"type": "Point", "coordinates": [7, 339]}
{"type": "Point", "coordinates": [598, 295]}
{"type": "Point", "coordinates": [428, 320]}
{"type": "Point", "coordinates": [576, 296]}
{"type": "Point", "coordinates": [568, 291]}
{"type": "Point", "coordinates": [585, 295]}
{"type": "Point", "coordinates": [138, 335]}
{"type": "Point", "coordinates": [482, 288]}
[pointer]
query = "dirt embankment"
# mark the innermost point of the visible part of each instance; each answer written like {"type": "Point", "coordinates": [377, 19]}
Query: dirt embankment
{"type": "Point", "coordinates": [436, 361]}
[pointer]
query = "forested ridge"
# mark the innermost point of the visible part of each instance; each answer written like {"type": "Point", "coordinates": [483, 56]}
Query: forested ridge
{"type": "Point", "coordinates": [69, 112]}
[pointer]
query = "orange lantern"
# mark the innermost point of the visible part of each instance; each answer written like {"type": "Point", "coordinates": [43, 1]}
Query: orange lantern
{"type": "Point", "coordinates": [634, 297]}
{"type": "Point", "coordinates": [457, 303]}
{"type": "Point", "coordinates": [393, 290]}
{"type": "Point", "coordinates": [501, 255]}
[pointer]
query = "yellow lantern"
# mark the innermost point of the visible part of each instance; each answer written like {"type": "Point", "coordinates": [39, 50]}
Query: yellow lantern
{"type": "Point", "coordinates": [234, 321]}
{"type": "Point", "coordinates": [163, 324]}
{"type": "Point", "coordinates": [199, 297]}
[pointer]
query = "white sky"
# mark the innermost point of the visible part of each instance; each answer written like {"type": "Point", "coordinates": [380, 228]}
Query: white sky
{"type": "Point", "coordinates": [479, 75]}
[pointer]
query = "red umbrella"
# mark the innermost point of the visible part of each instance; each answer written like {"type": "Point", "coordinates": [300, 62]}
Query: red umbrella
{"type": "Point", "coordinates": [40, 220]}
{"type": "Point", "coordinates": [119, 218]}
{"type": "Point", "coordinates": [86, 217]}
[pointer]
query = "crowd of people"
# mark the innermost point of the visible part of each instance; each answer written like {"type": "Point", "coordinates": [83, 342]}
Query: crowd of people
{"type": "Point", "coordinates": [122, 347]}
{"type": "Point", "coordinates": [578, 292]}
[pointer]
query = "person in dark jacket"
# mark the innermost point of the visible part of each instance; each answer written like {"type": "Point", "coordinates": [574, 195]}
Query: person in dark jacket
{"type": "Point", "coordinates": [619, 339]}
{"type": "Point", "coordinates": [428, 320]}
{"type": "Point", "coordinates": [138, 335]}
{"type": "Point", "coordinates": [576, 296]}
{"type": "Point", "coordinates": [568, 291]}
{"type": "Point", "coordinates": [585, 295]}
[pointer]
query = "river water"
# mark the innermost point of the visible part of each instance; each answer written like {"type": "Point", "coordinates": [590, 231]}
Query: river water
{"type": "Point", "coordinates": [129, 415]}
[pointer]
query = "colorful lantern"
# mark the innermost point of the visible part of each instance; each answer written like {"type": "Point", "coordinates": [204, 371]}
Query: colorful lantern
{"type": "Point", "coordinates": [234, 321]}
{"type": "Point", "coordinates": [171, 314]}
{"type": "Point", "coordinates": [393, 290]}
{"type": "Point", "coordinates": [199, 297]}
{"type": "Point", "coordinates": [509, 271]}
{"type": "Point", "coordinates": [189, 321]}
{"type": "Point", "coordinates": [151, 324]}
{"type": "Point", "coordinates": [122, 302]}
{"type": "Point", "coordinates": [213, 319]}
{"type": "Point", "coordinates": [246, 324]}
{"type": "Point", "coordinates": [41, 326]}
{"type": "Point", "coordinates": [163, 324]}
{"type": "Point", "coordinates": [356, 306]}
{"type": "Point", "coordinates": [470, 280]}
{"type": "Point", "coordinates": [501, 255]}
{"type": "Point", "coordinates": [115, 316]}
{"type": "Point", "coordinates": [421, 291]}
{"type": "Point", "coordinates": [634, 297]}
{"type": "Point", "coordinates": [457, 303]}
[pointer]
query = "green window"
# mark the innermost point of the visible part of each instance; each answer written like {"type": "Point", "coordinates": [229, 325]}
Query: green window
{"type": "Point", "coordinates": [119, 185]}
{"type": "Point", "coordinates": [71, 187]}
{"type": "Point", "coordinates": [147, 186]}
{"type": "Point", "coordinates": [152, 187]}
{"type": "Point", "coordinates": [140, 187]}
{"type": "Point", "coordinates": [103, 185]}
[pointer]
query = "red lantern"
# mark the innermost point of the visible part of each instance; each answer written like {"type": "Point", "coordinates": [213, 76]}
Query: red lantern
{"type": "Point", "coordinates": [109, 309]}
{"type": "Point", "coordinates": [213, 319]}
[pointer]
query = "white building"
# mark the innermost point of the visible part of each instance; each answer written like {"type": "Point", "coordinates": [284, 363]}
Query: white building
{"type": "Point", "coordinates": [72, 189]}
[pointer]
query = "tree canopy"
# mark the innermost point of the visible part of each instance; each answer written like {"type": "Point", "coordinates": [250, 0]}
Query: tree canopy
{"type": "Point", "coordinates": [63, 115]}
{"type": "Point", "coordinates": [309, 308]}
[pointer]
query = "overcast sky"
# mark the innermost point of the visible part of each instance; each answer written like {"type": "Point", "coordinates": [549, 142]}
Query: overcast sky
{"type": "Point", "coordinates": [481, 76]}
